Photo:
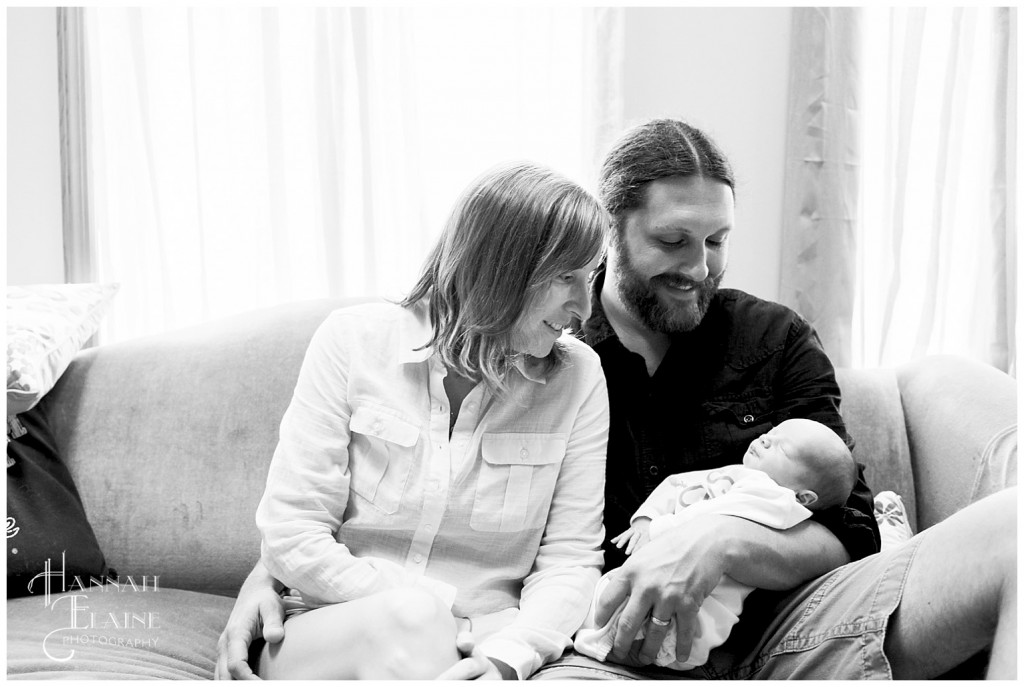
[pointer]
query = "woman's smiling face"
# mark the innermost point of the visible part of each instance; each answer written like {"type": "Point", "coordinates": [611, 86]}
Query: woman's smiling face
{"type": "Point", "coordinates": [566, 297]}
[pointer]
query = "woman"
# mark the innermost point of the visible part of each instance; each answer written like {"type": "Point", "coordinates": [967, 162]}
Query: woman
{"type": "Point", "coordinates": [440, 469]}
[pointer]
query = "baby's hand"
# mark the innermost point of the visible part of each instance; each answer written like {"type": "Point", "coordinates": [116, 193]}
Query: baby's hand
{"type": "Point", "coordinates": [620, 540]}
{"type": "Point", "coordinates": [634, 537]}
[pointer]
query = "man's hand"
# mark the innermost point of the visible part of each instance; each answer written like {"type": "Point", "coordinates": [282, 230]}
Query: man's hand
{"type": "Point", "coordinates": [474, 665]}
{"type": "Point", "coordinates": [258, 607]}
{"type": "Point", "coordinates": [668, 579]}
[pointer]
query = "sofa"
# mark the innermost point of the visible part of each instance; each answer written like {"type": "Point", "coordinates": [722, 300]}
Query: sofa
{"type": "Point", "coordinates": [169, 438]}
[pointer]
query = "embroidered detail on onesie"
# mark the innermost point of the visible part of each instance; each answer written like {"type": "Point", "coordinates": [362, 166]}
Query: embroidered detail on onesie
{"type": "Point", "coordinates": [715, 484]}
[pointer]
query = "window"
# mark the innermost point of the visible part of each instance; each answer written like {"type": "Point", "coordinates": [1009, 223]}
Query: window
{"type": "Point", "coordinates": [241, 157]}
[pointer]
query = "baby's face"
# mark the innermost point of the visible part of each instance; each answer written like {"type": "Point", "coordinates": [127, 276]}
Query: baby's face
{"type": "Point", "coordinates": [779, 453]}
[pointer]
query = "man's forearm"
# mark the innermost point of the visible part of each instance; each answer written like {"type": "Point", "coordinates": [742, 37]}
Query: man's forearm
{"type": "Point", "coordinates": [767, 558]}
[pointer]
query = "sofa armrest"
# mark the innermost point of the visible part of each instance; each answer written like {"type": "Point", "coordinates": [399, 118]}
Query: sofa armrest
{"type": "Point", "coordinates": [962, 428]}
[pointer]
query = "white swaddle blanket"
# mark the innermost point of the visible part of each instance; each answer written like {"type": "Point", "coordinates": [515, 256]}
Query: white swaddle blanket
{"type": "Point", "coordinates": [732, 490]}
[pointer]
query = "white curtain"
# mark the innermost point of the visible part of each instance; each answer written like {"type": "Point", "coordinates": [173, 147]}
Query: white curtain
{"type": "Point", "coordinates": [242, 157]}
{"type": "Point", "coordinates": [937, 263]}
{"type": "Point", "coordinates": [823, 173]}
{"type": "Point", "coordinates": [900, 237]}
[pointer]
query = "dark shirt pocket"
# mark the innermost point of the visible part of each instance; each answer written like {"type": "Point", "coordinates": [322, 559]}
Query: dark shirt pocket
{"type": "Point", "coordinates": [732, 424]}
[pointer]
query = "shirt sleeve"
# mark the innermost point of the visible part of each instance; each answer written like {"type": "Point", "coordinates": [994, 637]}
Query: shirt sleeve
{"type": "Point", "coordinates": [308, 488]}
{"type": "Point", "coordinates": [806, 387]}
{"type": "Point", "coordinates": [558, 591]}
{"type": "Point", "coordinates": [662, 500]}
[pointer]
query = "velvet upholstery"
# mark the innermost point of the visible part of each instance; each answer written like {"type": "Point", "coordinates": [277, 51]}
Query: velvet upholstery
{"type": "Point", "coordinates": [169, 439]}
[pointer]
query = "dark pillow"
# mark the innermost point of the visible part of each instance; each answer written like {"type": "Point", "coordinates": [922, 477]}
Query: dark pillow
{"type": "Point", "coordinates": [46, 522]}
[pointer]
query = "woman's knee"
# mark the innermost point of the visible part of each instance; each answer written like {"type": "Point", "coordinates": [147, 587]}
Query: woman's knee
{"type": "Point", "coordinates": [416, 611]}
{"type": "Point", "coordinates": [399, 634]}
{"type": "Point", "coordinates": [416, 637]}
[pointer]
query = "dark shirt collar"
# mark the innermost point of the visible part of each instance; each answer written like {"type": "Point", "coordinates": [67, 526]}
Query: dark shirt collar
{"type": "Point", "coordinates": [597, 328]}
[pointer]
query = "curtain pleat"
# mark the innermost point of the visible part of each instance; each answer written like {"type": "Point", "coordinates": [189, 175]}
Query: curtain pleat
{"type": "Point", "coordinates": [79, 250]}
{"type": "Point", "coordinates": [821, 190]}
{"type": "Point", "coordinates": [951, 135]}
{"type": "Point", "coordinates": [1004, 193]}
{"type": "Point", "coordinates": [896, 198]}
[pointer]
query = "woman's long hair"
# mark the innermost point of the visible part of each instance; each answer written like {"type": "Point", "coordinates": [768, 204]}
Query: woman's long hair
{"type": "Point", "coordinates": [510, 233]}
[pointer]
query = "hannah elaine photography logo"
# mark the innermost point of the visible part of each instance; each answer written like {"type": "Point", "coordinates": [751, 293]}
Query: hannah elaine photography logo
{"type": "Point", "coordinates": [68, 597]}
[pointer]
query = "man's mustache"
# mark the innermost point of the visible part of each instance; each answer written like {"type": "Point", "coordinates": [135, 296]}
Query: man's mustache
{"type": "Point", "coordinates": [679, 281]}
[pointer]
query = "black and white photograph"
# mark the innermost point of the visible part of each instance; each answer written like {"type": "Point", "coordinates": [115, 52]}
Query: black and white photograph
{"type": "Point", "coordinates": [509, 341]}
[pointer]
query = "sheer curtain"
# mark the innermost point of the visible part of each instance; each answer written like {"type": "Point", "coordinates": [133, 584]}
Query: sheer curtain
{"type": "Point", "coordinates": [937, 266]}
{"type": "Point", "coordinates": [242, 157]}
{"type": "Point", "coordinates": [823, 174]}
{"type": "Point", "coordinates": [919, 246]}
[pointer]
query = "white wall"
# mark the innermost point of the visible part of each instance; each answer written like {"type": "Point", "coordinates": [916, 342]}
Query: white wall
{"type": "Point", "coordinates": [35, 252]}
{"type": "Point", "coordinates": [726, 72]}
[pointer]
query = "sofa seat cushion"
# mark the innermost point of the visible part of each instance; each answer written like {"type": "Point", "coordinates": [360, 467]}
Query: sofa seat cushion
{"type": "Point", "coordinates": [116, 632]}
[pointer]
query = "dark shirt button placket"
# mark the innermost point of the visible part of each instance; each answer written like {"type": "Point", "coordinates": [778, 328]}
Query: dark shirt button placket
{"type": "Point", "coordinates": [652, 480]}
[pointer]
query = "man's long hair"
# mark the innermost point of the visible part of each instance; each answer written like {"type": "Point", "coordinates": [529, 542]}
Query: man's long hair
{"type": "Point", "coordinates": [654, 150]}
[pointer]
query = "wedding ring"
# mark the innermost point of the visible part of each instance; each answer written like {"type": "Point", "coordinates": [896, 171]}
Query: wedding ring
{"type": "Point", "coordinates": [659, 622]}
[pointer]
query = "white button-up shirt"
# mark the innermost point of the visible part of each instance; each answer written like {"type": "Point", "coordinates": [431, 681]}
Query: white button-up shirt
{"type": "Point", "coordinates": [366, 491]}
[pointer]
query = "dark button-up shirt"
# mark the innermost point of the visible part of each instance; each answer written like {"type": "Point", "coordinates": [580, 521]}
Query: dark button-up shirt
{"type": "Point", "coordinates": [748, 366]}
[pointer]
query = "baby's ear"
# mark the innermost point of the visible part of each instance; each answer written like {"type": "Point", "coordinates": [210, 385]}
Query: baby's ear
{"type": "Point", "coordinates": [806, 498]}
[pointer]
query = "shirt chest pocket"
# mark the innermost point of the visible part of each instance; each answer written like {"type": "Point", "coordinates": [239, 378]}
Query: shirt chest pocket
{"type": "Point", "coordinates": [517, 479]}
{"type": "Point", "coordinates": [381, 452]}
{"type": "Point", "coordinates": [733, 424]}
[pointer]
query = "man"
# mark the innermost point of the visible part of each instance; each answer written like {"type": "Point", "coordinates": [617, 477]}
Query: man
{"type": "Point", "coordinates": [694, 374]}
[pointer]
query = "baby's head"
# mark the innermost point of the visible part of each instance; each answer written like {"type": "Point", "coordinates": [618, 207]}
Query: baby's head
{"type": "Point", "coordinates": [807, 457]}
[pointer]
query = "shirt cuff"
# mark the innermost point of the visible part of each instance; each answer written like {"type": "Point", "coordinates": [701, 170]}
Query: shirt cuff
{"type": "Point", "coordinates": [521, 658]}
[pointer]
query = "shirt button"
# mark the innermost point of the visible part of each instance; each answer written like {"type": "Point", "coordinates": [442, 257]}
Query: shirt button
{"type": "Point", "coordinates": [653, 470]}
{"type": "Point", "coordinates": [418, 558]}
{"type": "Point", "coordinates": [378, 425]}
{"type": "Point", "coordinates": [524, 453]}
{"type": "Point", "coordinates": [748, 419]}
{"type": "Point", "coordinates": [428, 528]}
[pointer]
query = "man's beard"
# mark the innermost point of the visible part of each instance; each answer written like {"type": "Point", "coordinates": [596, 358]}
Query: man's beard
{"type": "Point", "coordinates": [641, 298]}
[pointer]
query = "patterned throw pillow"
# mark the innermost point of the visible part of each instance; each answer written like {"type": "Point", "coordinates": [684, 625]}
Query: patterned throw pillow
{"type": "Point", "coordinates": [891, 515]}
{"type": "Point", "coordinates": [46, 326]}
{"type": "Point", "coordinates": [47, 528]}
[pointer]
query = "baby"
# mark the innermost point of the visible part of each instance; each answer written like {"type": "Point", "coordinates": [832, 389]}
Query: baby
{"type": "Point", "coordinates": [799, 466]}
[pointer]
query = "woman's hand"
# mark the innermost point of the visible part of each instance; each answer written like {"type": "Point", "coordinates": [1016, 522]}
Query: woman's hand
{"type": "Point", "coordinates": [474, 665]}
{"type": "Point", "coordinates": [258, 607]}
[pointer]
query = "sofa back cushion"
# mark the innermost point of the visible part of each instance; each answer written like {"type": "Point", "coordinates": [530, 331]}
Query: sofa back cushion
{"type": "Point", "coordinates": [169, 439]}
{"type": "Point", "coordinates": [873, 414]}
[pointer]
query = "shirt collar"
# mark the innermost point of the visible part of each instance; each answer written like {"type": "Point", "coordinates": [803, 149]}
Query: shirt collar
{"type": "Point", "coordinates": [597, 328]}
{"type": "Point", "coordinates": [416, 330]}
{"type": "Point", "coordinates": [532, 369]}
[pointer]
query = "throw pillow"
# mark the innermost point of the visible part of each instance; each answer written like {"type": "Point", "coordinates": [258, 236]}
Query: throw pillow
{"type": "Point", "coordinates": [46, 326]}
{"type": "Point", "coordinates": [47, 529]}
{"type": "Point", "coordinates": [891, 515]}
